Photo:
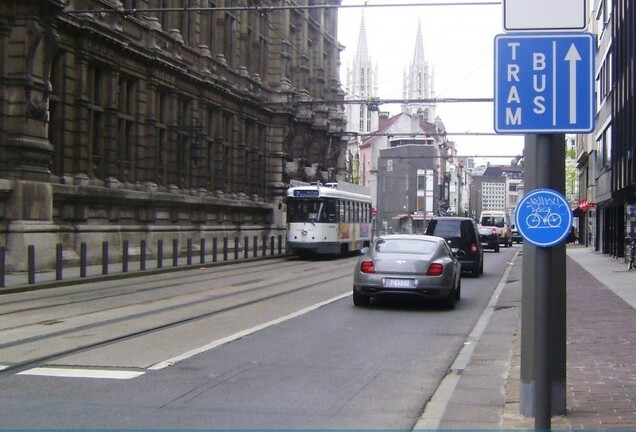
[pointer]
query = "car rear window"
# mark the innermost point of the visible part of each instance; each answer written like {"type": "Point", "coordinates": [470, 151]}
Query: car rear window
{"type": "Point", "coordinates": [452, 229]}
{"type": "Point", "coordinates": [445, 229]}
{"type": "Point", "coordinates": [406, 246]}
{"type": "Point", "coordinates": [493, 221]}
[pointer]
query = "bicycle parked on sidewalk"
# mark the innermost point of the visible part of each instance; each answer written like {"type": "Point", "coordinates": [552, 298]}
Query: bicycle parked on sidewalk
{"type": "Point", "coordinates": [632, 252]}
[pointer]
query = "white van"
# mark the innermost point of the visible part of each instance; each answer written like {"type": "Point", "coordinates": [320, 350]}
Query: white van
{"type": "Point", "coordinates": [499, 220]}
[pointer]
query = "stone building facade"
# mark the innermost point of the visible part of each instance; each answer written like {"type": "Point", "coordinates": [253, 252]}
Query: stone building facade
{"type": "Point", "coordinates": [146, 120]}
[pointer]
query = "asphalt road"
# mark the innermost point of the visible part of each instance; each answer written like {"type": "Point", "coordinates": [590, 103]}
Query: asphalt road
{"type": "Point", "coordinates": [275, 344]}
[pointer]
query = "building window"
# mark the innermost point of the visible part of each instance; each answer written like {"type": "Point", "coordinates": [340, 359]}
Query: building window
{"type": "Point", "coordinates": [161, 112]}
{"type": "Point", "coordinates": [127, 100]}
{"type": "Point", "coordinates": [184, 142]}
{"type": "Point", "coordinates": [228, 39]}
{"type": "Point", "coordinates": [165, 17]}
{"type": "Point", "coordinates": [96, 125]}
{"type": "Point", "coordinates": [210, 145]}
{"type": "Point", "coordinates": [56, 115]}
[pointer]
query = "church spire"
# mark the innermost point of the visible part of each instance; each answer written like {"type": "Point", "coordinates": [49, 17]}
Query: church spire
{"type": "Point", "coordinates": [418, 82]}
{"type": "Point", "coordinates": [363, 50]}
{"type": "Point", "coordinates": [362, 84]}
{"type": "Point", "coordinates": [418, 56]}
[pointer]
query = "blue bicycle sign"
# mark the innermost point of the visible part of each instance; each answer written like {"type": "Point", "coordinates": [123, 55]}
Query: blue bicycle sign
{"type": "Point", "coordinates": [544, 217]}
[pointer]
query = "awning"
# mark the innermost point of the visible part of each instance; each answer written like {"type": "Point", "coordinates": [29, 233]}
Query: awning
{"type": "Point", "coordinates": [584, 205]}
{"type": "Point", "coordinates": [400, 216]}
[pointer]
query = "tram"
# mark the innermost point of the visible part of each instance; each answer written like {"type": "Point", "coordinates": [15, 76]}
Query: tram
{"type": "Point", "coordinates": [327, 220]}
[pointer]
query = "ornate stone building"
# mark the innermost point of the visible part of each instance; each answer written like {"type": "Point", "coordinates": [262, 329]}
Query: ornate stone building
{"type": "Point", "coordinates": [147, 119]}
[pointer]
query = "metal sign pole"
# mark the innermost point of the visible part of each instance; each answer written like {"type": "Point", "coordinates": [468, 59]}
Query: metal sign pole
{"type": "Point", "coordinates": [543, 352]}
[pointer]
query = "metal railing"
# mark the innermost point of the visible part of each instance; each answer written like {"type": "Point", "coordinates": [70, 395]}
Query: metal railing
{"type": "Point", "coordinates": [220, 250]}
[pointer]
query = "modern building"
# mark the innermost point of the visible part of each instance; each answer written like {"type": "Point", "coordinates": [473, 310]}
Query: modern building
{"type": "Point", "coordinates": [408, 188]}
{"type": "Point", "coordinates": [401, 129]}
{"type": "Point", "coordinates": [497, 187]}
{"type": "Point", "coordinates": [141, 120]}
{"type": "Point", "coordinates": [606, 161]}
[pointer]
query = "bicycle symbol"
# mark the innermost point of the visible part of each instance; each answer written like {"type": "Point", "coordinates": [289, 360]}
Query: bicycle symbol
{"type": "Point", "coordinates": [544, 219]}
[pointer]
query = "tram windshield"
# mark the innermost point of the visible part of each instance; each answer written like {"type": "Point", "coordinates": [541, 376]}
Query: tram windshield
{"type": "Point", "coordinates": [303, 210]}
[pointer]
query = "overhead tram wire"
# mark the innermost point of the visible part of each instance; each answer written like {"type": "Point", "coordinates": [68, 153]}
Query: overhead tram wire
{"type": "Point", "coordinates": [266, 9]}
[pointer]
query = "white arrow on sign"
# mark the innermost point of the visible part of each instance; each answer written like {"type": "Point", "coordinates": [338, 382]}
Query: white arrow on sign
{"type": "Point", "coordinates": [573, 56]}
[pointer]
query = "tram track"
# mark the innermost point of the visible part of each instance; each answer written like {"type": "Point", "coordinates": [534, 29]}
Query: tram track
{"type": "Point", "coordinates": [306, 280]}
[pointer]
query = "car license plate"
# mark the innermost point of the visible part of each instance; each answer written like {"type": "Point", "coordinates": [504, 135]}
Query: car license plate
{"type": "Point", "coordinates": [398, 283]}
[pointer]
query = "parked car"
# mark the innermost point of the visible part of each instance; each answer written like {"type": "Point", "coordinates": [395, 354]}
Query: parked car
{"type": "Point", "coordinates": [410, 264]}
{"type": "Point", "coordinates": [516, 236]}
{"type": "Point", "coordinates": [462, 234]}
{"type": "Point", "coordinates": [489, 238]}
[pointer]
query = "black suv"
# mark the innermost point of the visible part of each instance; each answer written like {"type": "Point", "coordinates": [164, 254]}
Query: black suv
{"type": "Point", "coordinates": [461, 233]}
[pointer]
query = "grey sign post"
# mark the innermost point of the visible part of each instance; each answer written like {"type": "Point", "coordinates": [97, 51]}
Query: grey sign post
{"type": "Point", "coordinates": [537, 92]}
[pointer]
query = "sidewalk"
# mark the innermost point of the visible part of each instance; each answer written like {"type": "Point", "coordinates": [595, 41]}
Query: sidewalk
{"type": "Point", "coordinates": [601, 353]}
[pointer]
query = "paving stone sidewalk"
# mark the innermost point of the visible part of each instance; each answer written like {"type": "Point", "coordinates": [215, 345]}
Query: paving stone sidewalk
{"type": "Point", "coordinates": [601, 351]}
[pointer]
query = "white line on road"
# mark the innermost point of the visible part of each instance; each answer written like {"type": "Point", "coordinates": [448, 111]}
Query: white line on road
{"type": "Point", "coordinates": [81, 373]}
{"type": "Point", "coordinates": [435, 408]}
{"type": "Point", "coordinates": [239, 335]}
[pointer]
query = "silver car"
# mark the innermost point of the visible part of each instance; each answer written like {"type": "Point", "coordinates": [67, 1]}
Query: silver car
{"type": "Point", "coordinates": [418, 265]}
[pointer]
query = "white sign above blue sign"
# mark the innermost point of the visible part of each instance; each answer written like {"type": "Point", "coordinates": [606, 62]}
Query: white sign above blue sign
{"type": "Point", "coordinates": [544, 83]}
{"type": "Point", "coordinates": [544, 218]}
{"type": "Point", "coordinates": [544, 15]}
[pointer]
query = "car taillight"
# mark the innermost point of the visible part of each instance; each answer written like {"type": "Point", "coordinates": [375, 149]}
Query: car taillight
{"type": "Point", "coordinates": [436, 269]}
{"type": "Point", "coordinates": [494, 231]}
{"type": "Point", "coordinates": [473, 248]}
{"type": "Point", "coordinates": [367, 267]}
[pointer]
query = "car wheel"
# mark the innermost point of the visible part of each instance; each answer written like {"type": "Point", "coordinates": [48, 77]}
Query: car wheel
{"type": "Point", "coordinates": [458, 290]}
{"type": "Point", "coordinates": [360, 299]}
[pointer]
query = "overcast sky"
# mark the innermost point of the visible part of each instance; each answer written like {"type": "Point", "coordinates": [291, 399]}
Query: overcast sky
{"type": "Point", "coordinates": [458, 44]}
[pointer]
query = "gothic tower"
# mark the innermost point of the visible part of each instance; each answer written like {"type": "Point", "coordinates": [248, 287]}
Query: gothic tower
{"type": "Point", "coordinates": [362, 84]}
{"type": "Point", "coordinates": [418, 83]}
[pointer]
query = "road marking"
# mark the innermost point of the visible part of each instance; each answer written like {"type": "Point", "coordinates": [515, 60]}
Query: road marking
{"type": "Point", "coordinates": [82, 373]}
{"type": "Point", "coordinates": [3, 367]}
{"type": "Point", "coordinates": [436, 407]}
{"type": "Point", "coordinates": [239, 335]}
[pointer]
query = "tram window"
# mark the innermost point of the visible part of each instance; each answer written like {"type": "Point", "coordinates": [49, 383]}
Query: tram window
{"type": "Point", "coordinates": [305, 211]}
{"type": "Point", "coordinates": [331, 210]}
{"type": "Point", "coordinates": [341, 211]}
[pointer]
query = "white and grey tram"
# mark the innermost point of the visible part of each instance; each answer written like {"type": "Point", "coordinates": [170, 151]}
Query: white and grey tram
{"type": "Point", "coordinates": [325, 220]}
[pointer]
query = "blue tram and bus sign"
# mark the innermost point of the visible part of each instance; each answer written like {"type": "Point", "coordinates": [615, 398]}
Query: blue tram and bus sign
{"type": "Point", "coordinates": [544, 218]}
{"type": "Point", "coordinates": [544, 83]}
